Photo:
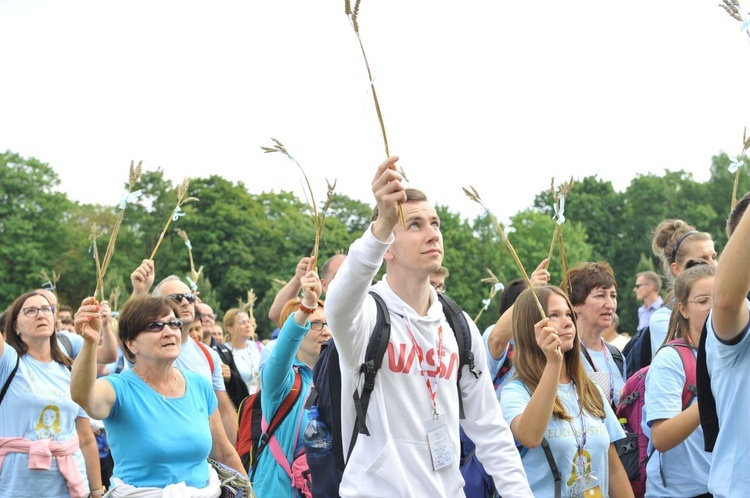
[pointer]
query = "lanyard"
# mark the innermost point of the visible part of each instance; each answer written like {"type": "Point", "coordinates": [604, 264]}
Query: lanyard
{"type": "Point", "coordinates": [609, 369]}
{"type": "Point", "coordinates": [432, 386]}
{"type": "Point", "coordinates": [580, 442]}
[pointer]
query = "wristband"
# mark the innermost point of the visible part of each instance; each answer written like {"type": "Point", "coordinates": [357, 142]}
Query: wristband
{"type": "Point", "coordinates": [305, 309]}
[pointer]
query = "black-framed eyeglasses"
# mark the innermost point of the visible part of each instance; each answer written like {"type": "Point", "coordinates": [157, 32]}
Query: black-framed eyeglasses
{"type": "Point", "coordinates": [318, 325]}
{"type": "Point", "coordinates": [702, 302]}
{"type": "Point", "coordinates": [33, 312]}
{"type": "Point", "coordinates": [190, 298]}
{"type": "Point", "coordinates": [159, 326]}
{"type": "Point", "coordinates": [438, 287]}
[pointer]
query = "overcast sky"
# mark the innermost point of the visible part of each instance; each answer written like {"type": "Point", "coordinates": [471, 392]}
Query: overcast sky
{"type": "Point", "coordinates": [495, 94]}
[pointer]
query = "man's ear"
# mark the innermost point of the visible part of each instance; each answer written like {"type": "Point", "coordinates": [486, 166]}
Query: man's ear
{"type": "Point", "coordinates": [388, 256]}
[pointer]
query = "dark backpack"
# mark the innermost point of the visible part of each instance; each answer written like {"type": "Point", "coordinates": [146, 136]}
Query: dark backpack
{"type": "Point", "coordinates": [706, 400]}
{"type": "Point", "coordinates": [630, 408]}
{"type": "Point", "coordinates": [326, 477]}
{"type": "Point", "coordinates": [251, 440]}
{"type": "Point", "coordinates": [638, 350]}
{"type": "Point", "coordinates": [236, 387]}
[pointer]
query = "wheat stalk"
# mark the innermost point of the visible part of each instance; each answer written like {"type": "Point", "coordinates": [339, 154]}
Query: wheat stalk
{"type": "Point", "coordinates": [474, 196]}
{"type": "Point", "coordinates": [134, 175]}
{"type": "Point", "coordinates": [194, 274]}
{"type": "Point", "coordinates": [114, 296]}
{"type": "Point", "coordinates": [92, 237]}
{"type": "Point", "coordinates": [737, 166]}
{"type": "Point", "coordinates": [52, 281]}
{"type": "Point", "coordinates": [353, 16]}
{"type": "Point", "coordinates": [250, 302]}
{"type": "Point", "coordinates": [181, 201]}
{"type": "Point", "coordinates": [496, 285]}
{"type": "Point", "coordinates": [732, 7]}
{"type": "Point", "coordinates": [318, 217]}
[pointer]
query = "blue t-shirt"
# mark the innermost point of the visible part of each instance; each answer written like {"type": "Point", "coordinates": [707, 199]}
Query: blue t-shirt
{"type": "Point", "coordinates": [561, 436]}
{"type": "Point", "coordinates": [494, 364]}
{"type": "Point", "coordinates": [728, 367]}
{"type": "Point", "coordinates": [657, 326]}
{"type": "Point", "coordinates": [686, 466]}
{"type": "Point", "coordinates": [157, 441]}
{"type": "Point", "coordinates": [37, 406]}
{"type": "Point", "coordinates": [607, 368]}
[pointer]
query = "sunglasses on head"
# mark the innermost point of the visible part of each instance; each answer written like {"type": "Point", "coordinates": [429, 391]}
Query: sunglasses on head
{"type": "Point", "coordinates": [190, 298]}
{"type": "Point", "coordinates": [159, 326]}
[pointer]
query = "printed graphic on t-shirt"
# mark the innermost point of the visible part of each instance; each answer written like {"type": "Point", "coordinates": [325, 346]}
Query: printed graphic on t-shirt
{"type": "Point", "coordinates": [48, 426]}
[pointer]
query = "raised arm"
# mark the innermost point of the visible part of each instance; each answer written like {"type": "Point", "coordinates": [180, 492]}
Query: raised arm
{"type": "Point", "coordinates": [732, 284]}
{"type": "Point", "coordinates": [97, 397]}
{"type": "Point", "coordinates": [289, 291]}
{"type": "Point", "coordinates": [107, 351]}
{"type": "Point", "coordinates": [142, 277]}
{"type": "Point", "coordinates": [529, 427]}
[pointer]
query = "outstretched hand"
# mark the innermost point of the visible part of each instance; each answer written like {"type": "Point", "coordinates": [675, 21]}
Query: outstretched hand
{"type": "Point", "coordinates": [548, 341]}
{"type": "Point", "coordinates": [311, 287]}
{"type": "Point", "coordinates": [389, 189]}
{"type": "Point", "coordinates": [540, 276]}
{"type": "Point", "coordinates": [143, 277]}
{"type": "Point", "coordinates": [88, 320]}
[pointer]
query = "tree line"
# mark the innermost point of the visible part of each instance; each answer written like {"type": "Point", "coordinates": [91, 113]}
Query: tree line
{"type": "Point", "coordinates": [252, 241]}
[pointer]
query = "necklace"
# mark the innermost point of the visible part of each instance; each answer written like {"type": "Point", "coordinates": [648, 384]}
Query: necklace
{"type": "Point", "coordinates": [163, 396]}
{"type": "Point", "coordinates": [565, 391]}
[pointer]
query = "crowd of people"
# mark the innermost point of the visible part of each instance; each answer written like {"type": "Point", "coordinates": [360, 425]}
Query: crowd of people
{"type": "Point", "coordinates": [146, 404]}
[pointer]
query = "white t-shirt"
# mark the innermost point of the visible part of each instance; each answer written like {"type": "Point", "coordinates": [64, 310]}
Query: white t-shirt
{"type": "Point", "coordinates": [247, 360]}
{"type": "Point", "coordinates": [194, 359]}
{"type": "Point", "coordinates": [36, 406]}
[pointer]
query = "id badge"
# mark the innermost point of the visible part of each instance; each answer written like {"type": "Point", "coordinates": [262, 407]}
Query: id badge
{"type": "Point", "coordinates": [587, 487]}
{"type": "Point", "coordinates": [439, 442]}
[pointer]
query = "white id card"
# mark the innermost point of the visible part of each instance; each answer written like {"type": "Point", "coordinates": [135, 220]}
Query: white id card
{"type": "Point", "coordinates": [439, 442]}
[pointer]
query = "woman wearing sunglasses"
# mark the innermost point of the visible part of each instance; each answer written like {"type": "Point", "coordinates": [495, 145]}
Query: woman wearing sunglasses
{"type": "Point", "coordinates": [37, 414]}
{"type": "Point", "coordinates": [162, 422]}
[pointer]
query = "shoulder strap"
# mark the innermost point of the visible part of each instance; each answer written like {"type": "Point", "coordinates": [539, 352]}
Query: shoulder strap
{"type": "Point", "coordinates": [553, 467]}
{"type": "Point", "coordinates": [278, 417]}
{"type": "Point", "coordinates": [65, 340]}
{"type": "Point", "coordinates": [690, 388]}
{"type": "Point", "coordinates": [208, 355]}
{"type": "Point", "coordinates": [373, 360]}
{"type": "Point", "coordinates": [10, 377]}
{"type": "Point", "coordinates": [706, 400]}
{"type": "Point", "coordinates": [457, 322]}
{"type": "Point", "coordinates": [588, 356]}
{"type": "Point", "coordinates": [617, 357]}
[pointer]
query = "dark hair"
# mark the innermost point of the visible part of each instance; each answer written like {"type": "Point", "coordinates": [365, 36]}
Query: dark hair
{"type": "Point", "coordinates": [585, 277]}
{"type": "Point", "coordinates": [15, 341]}
{"type": "Point", "coordinates": [324, 270]}
{"type": "Point", "coordinates": [64, 307]}
{"type": "Point", "coordinates": [139, 311]}
{"type": "Point", "coordinates": [511, 292]}
{"type": "Point", "coordinates": [412, 195]}
{"type": "Point", "coordinates": [736, 214]}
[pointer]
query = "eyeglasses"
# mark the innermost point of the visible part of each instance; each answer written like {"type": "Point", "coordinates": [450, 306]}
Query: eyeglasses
{"type": "Point", "coordinates": [190, 298]}
{"type": "Point", "coordinates": [318, 325]}
{"type": "Point", "coordinates": [159, 326]}
{"type": "Point", "coordinates": [33, 312]}
{"type": "Point", "coordinates": [438, 287]}
{"type": "Point", "coordinates": [244, 321]}
{"type": "Point", "coordinates": [638, 286]}
{"type": "Point", "coordinates": [702, 302]}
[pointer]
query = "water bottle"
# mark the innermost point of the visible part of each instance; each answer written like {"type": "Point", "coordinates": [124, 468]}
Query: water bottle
{"type": "Point", "coordinates": [320, 458]}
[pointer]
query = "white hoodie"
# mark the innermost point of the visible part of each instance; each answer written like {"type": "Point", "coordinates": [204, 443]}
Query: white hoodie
{"type": "Point", "coordinates": [395, 459]}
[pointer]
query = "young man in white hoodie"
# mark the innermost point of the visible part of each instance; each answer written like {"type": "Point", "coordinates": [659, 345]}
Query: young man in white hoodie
{"type": "Point", "coordinates": [413, 416]}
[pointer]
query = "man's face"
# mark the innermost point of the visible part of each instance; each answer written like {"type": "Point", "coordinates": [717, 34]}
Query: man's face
{"type": "Point", "coordinates": [418, 246]}
{"type": "Point", "coordinates": [171, 289]}
{"type": "Point", "coordinates": [643, 288]}
{"type": "Point", "coordinates": [437, 280]}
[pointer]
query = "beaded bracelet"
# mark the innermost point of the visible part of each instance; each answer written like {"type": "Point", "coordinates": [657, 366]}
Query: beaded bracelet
{"type": "Point", "coordinates": [305, 309]}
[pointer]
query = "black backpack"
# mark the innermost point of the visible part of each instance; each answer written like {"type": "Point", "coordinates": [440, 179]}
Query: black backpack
{"type": "Point", "coordinates": [706, 401]}
{"type": "Point", "coordinates": [326, 395]}
{"type": "Point", "coordinates": [637, 351]}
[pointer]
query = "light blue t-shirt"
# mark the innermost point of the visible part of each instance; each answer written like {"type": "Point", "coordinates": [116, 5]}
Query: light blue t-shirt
{"type": "Point", "coordinates": [158, 441]}
{"type": "Point", "coordinates": [494, 364]}
{"type": "Point", "coordinates": [685, 466]}
{"type": "Point", "coordinates": [658, 325]}
{"type": "Point", "coordinates": [194, 359]}
{"type": "Point", "coordinates": [728, 367]}
{"type": "Point", "coordinates": [606, 365]}
{"type": "Point", "coordinates": [561, 436]}
{"type": "Point", "coordinates": [76, 343]}
{"type": "Point", "coordinates": [37, 406]}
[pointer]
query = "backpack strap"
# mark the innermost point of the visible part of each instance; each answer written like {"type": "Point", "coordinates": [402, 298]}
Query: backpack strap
{"type": "Point", "coordinates": [505, 367]}
{"type": "Point", "coordinates": [690, 388]}
{"type": "Point", "coordinates": [278, 417]}
{"type": "Point", "coordinates": [10, 377]}
{"type": "Point", "coordinates": [617, 357]}
{"type": "Point", "coordinates": [65, 341]}
{"type": "Point", "coordinates": [376, 348]}
{"type": "Point", "coordinates": [553, 467]}
{"type": "Point", "coordinates": [706, 400]}
{"type": "Point", "coordinates": [207, 353]}
{"type": "Point", "coordinates": [457, 322]}
{"type": "Point", "coordinates": [646, 348]}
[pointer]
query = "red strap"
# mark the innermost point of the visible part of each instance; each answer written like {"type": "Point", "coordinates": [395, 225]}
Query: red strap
{"type": "Point", "coordinates": [286, 405]}
{"type": "Point", "coordinates": [689, 364]}
{"type": "Point", "coordinates": [208, 355]}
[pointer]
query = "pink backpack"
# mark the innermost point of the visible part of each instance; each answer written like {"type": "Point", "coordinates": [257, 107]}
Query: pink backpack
{"type": "Point", "coordinates": [630, 407]}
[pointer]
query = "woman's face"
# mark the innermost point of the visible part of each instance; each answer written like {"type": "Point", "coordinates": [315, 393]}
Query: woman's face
{"type": "Point", "coordinates": [317, 335]}
{"type": "Point", "coordinates": [597, 309]}
{"type": "Point", "coordinates": [49, 417]}
{"type": "Point", "coordinates": [697, 249]}
{"type": "Point", "coordinates": [162, 344]}
{"type": "Point", "coordinates": [196, 330]}
{"type": "Point", "coordinates": [33, 327]}
{"type": "Point", "coordinates": [561, 319]}
{"type": "Point", "coordinates": [245, 326]}
{"type": "Point", "coordinates": [698, 303]}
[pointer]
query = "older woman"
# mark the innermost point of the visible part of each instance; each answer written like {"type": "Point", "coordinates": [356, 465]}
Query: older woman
{"type": "Point", "coordinates": [37, 414]}
{"type": "Point", "coordinates": [245, 347]}
{"type": "Point", "coordinates": [162, 422]}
